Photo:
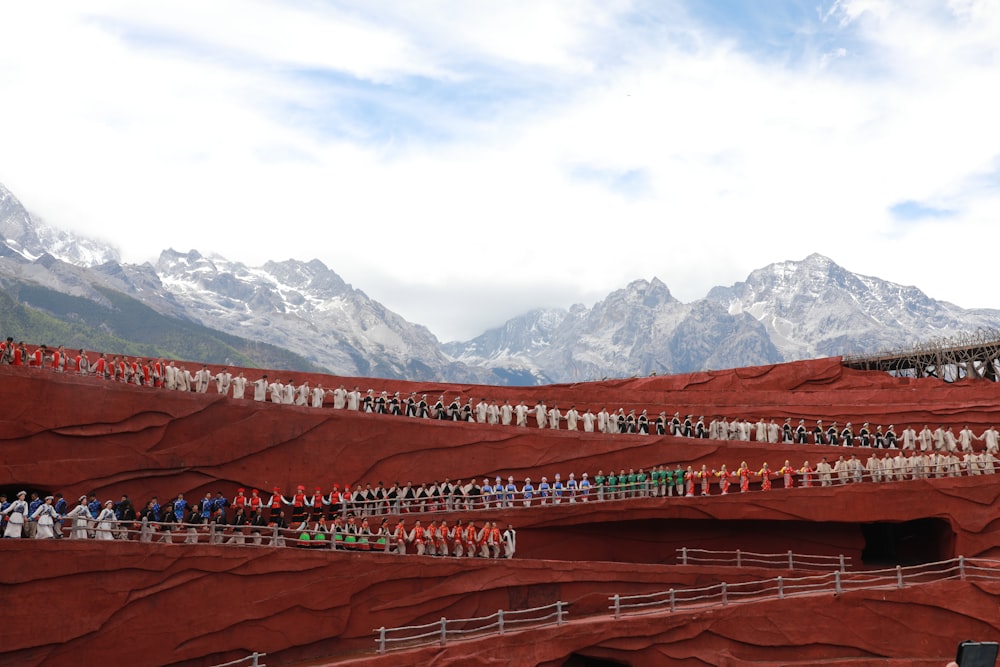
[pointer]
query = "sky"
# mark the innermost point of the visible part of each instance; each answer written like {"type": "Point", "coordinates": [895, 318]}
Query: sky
{"type": "Point", "coordinates": [464, 162]}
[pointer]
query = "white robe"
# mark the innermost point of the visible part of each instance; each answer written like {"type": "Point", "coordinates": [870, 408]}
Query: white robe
{"type": "Point", "coordinates": [239, 387]}
{"type": "Point", "coordinates": [105, 524]}
{"type": "Point", "coordinates": [15, 518]}
{"type": "Point", "coordinates": [80, 517]}
{"type": "Point", "coordinates": [44, 515]}
{"type": "Point", "coordinates": [339, 398]}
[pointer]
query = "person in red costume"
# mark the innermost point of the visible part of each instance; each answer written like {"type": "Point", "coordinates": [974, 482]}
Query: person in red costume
{"type": "Point", "coordinates": [275, 503]}
{"type": "Point", "coordinates": [744, 475]}
{"type": "Point", "coordinates": [254, 501]}
{"type": "Point", "coordinates": [298, 503]}
{"type": "Point", "coordinates": [240, 499]}
{"type": "Point", "coordinates": [765, 477]}
{"type": "Point", "coordinates": [400, 537]}
{"type": "Point", "coordinates": [471, 539]}
{"type": "Point", "coordinates": [788, 473]}
{"type": "Point", "coordinates": [418, 537]}
{"type": "Point", "coordinates": [723, 476]}
{"type": "Point", "coordinates": [689, 476]}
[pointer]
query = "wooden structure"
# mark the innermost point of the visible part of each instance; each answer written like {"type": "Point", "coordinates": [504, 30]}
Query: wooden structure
{"type": "Point", "coordinates": [975, 355]}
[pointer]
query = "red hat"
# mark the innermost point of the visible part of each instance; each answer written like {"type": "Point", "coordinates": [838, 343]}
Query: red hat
{"type": "Point", "coordinates": [277, 489]}
{"type": "Point", "coordinates": [241, 490]}
{"type": "Point", "coordinates": [302, 487]}
{"type": "Point", "coordinates": [319, 490]}
{"type": "Point", "coordinates": [255, 492]}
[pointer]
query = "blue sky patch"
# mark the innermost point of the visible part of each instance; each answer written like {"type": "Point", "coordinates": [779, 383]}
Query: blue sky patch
{"type": "Point", "coordinates": [914, 210]}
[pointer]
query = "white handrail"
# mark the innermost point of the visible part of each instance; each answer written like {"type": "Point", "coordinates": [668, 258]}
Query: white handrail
{"type": "Point", "coordinates": [790, 560]}
{"type": "Point", "coordinates": [781, 587]}
{"type": "Point", "coordinates": [254, 659]}
{"type": "Point", "coordinates": [442, 631]}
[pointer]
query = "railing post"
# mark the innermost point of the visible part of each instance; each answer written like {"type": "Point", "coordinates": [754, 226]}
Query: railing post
{"type": "Point", "coordinates": [781, 589]}
{"type": "Point", "coordinates": [255, 662]}
{"type": "Point", "coordinates": [961, 568]}
{"type": "Point", "coordinates": [739, 559]}
{"type": "Point", "coordinates": [500, 621]}
{"type": "Point", "coordinates": [444, 630]}
{"type": "Point", "coordinates": [836, 579]}
{"type": "Point", "coordinates": [559, 612]}
{"type": "Point", "coordinates": [381, 639]}
{"type": "Point", "coordinates": [684, 555]}
{"type": "Point", "coordinates": [673, 600]}
{"type": "Point", "coordinates": [725, 597]}
{"type": "Point", "coordinates": [791, 561]}
{"type": "Point", "coordinates": [843, 564]}
{"type": "Point", "coordinates": [899, 576]}
{"type": "Point", "coordinates": [274, 537]}
{"type": "Point", "coordinates": [618, 606]}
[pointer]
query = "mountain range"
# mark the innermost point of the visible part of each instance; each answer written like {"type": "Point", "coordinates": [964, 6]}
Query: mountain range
{"type": "Point", "coordinates": [303, 316]}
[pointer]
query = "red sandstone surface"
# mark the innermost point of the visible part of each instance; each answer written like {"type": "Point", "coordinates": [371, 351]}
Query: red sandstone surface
{"type": "Point", "coordinates": [136, 604]}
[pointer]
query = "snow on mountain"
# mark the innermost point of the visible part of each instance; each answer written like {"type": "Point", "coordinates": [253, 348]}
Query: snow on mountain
{"type": "Point", "coordinates": [31, 238]}
{"type": "Point", "coordinates": [815, 308]}
{"type": "Point", "coordinates": [308, 308]}
{"type": "Point", "coordinates": [638, 330]}
{"type": "Point", "coordinates": [784, 311]}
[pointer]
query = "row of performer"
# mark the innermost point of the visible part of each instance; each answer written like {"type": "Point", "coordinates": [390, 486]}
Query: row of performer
{"type": "Point", "coordinates": [353, 533]}
{"type": "Point", "coordinates": [350, 505]}
{"type": "Point", "coordinates": [169, 375]}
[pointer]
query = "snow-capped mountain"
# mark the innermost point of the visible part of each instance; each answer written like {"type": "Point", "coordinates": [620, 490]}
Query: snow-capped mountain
{"type": "Point", "coordinates": [31, 238]}
{"type": "Point", "coordinates": [815, 308]}
{"type": "Point", "coordinates": [784, 311]}
{"type": "Point", "coordinates": [638, 330]}
{"type": "Point", "coordinates": [306, 307]}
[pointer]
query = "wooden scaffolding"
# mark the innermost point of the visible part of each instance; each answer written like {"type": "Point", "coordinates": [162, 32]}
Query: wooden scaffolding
{"type": "Point", "coordinates": [975, 355]}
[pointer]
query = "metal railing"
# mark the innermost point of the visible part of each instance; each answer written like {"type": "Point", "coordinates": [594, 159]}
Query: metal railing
{"type": "Point", "coordinates": [498, 623]}
{"type": "Point", "coordinates": [252, 660]}
{"type": "Point", "coordinates": [265, 536]}
{"type": "Point", "coordinates": [837, 582]}
{"type": "Point", "coordinates": [740, 558]}
{"type": "Point", "coordinates": [662, 490]}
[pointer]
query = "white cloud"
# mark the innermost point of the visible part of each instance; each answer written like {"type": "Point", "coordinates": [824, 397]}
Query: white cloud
{"type": "Point", "coordinates": [417, 147]}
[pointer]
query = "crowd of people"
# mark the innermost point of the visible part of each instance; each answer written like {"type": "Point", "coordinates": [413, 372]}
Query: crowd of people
{"type": "Point", "coordinates": [357, 517]}
{"type": "Point", "coordinates": [314, 521]}
{"type": "Point", "coordinates": [158, 373]}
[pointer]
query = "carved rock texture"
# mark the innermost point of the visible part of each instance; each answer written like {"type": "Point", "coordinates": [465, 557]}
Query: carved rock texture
{"type": "Point", "coordinates": [133, 604]}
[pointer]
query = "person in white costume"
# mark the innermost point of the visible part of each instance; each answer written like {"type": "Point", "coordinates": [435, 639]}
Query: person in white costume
{"type": "Point", "coordinates": [239, 386]}
{"type": "Point", "coordinates": [339, 398]}
{"type": "Point", "coordinates": [260, 389]}
{"type": "Point", "coordinates": [277, 390]}
{"type": "Point", "coordinates": [521, 414]}
{"type": "Point", "coordinates": [80, 518]}
{"type": "Point", "coordinates": [223, 381]}
{"type": "Point", "coordinates": [45, 515]}
{"type": "Point", "coordinates": [106, 523]}
{"type": "Point", "coordinates": [16, 513]}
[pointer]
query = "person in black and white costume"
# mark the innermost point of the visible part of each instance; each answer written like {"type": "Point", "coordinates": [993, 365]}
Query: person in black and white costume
{"type": "Point", "coordinates": [509, 541]}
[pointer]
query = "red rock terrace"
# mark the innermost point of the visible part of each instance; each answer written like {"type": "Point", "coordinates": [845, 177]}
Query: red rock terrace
{"type": "Point", "coordinates": [128, 603]}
